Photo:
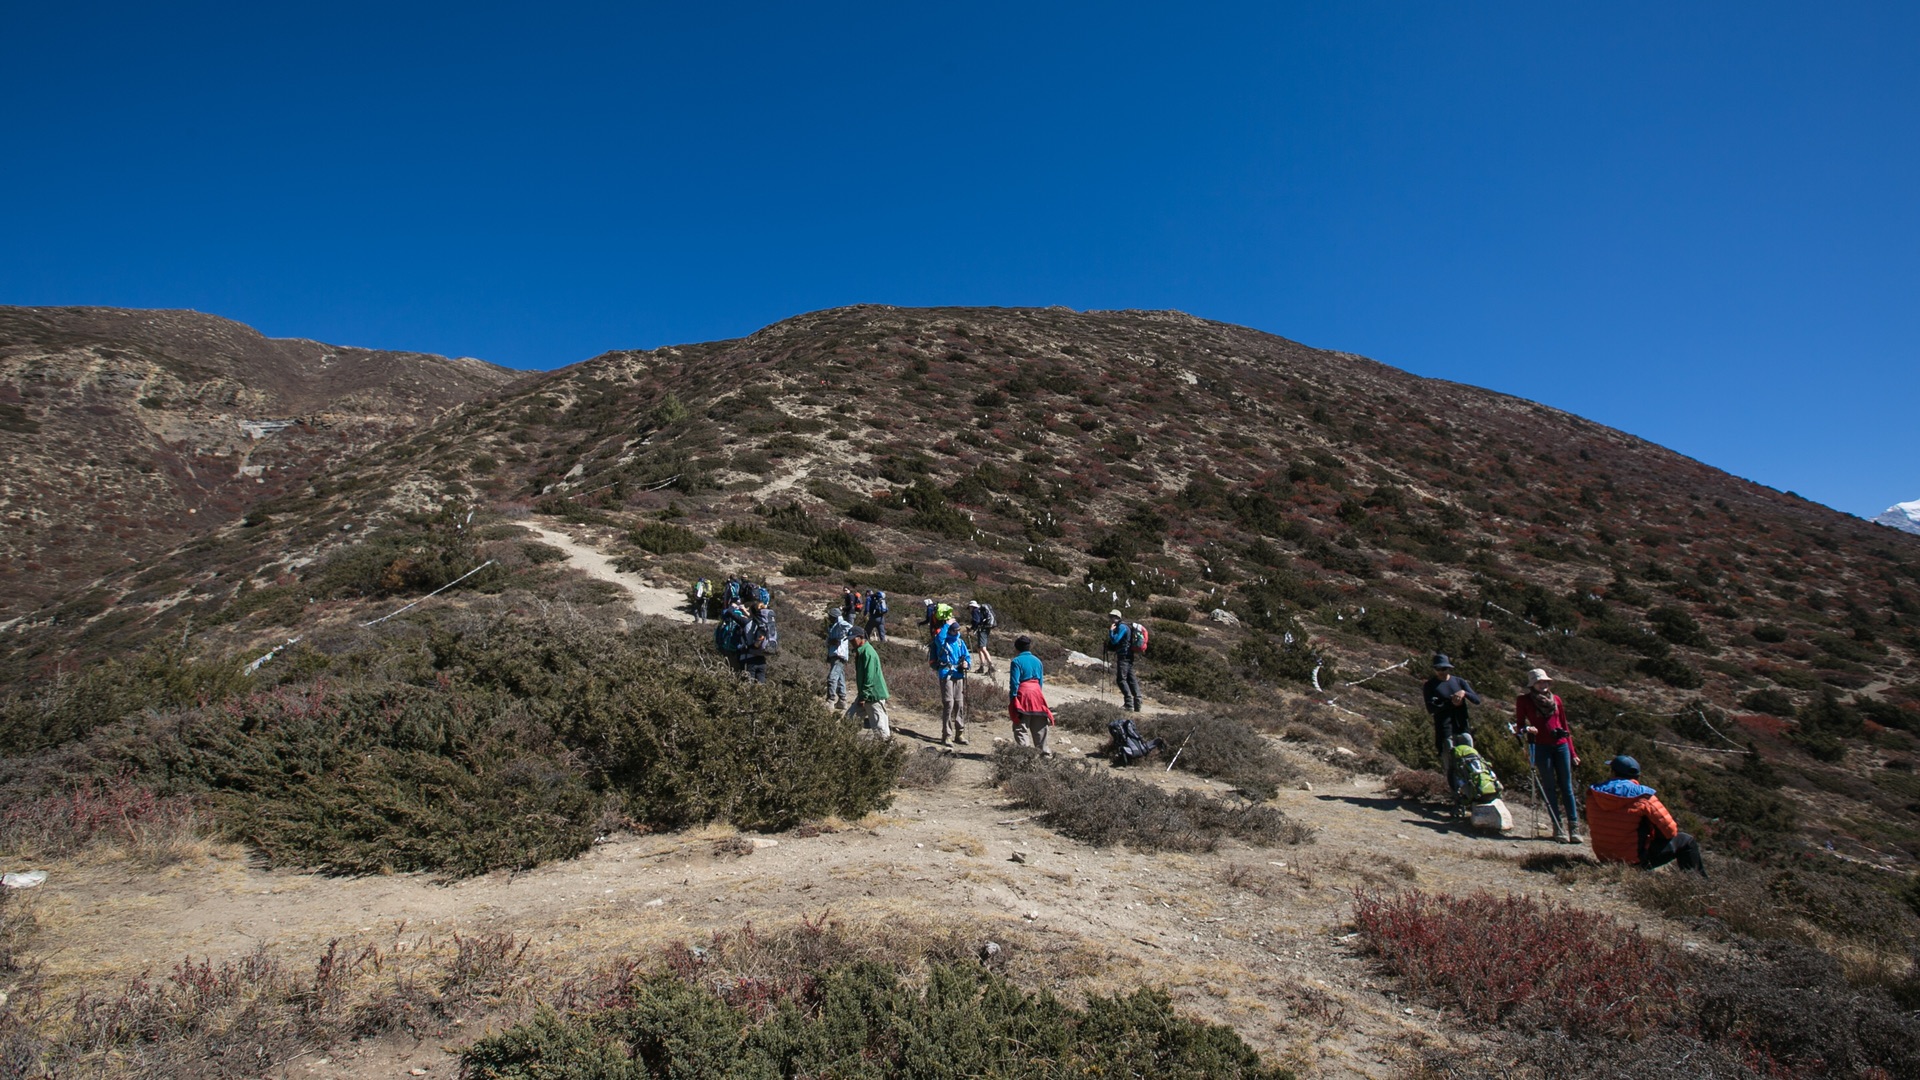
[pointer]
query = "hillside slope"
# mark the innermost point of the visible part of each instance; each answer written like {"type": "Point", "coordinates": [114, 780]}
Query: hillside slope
{"type": "Point", "coordinates": [1754, 649]}
{"type": "Point", "coordinates": [126, 432]}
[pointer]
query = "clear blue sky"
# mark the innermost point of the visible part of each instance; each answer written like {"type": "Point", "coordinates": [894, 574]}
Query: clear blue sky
{"type": "Point", "coordinates": [1698, 222]}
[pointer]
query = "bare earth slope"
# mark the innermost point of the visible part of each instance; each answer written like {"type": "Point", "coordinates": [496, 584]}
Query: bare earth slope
{"type": "Point", "coordinates": [126, 431]}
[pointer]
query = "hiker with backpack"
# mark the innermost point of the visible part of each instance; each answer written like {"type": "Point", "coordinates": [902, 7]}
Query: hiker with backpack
{"type": "Point", "coordinates": [932, 618]}
{"type": "Point", "coordinates": [1627, 823]}
{"type": "Point", "coordinates": [869, 686]}
{"type": "Point", "coordinates": [950, 660]}
{"type": "Point", "coordinates": [984, 621]}
{"type": "Point", "coordinates": [1027, 699]}
{"type": "Point", "coordinates": [852, 601]}
{"type": "Point", "coordinates": [702, 593]}
{"type": "Point", "coordinates": [838, 653]}
{"type": "Point", "coordinates": [877, 615]}
{"type": "Point", "coordinates": [733, 588]}
{"type": "Point", "coordinates": [730, 634]}
{"type": "Point", "coordinates": [1126, 641]}
{"type": "Point", "coordinates": [1446, 697]}
{"type": "Point", "coordinates": [763, 637]}
{"type": "Point", "coordinates": [1540, 719]}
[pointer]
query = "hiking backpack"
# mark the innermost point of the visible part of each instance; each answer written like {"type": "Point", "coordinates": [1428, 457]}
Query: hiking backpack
{"type": "Point", "coordinates": [1128, 745]}
{"type": "Point", "coordinates": [765, 633]}
{"type": "Point", "coordinates": [1137, 638]}
{"type": "Point", "coordinates": [729, 635]}
{"type": "Point", "coordinates": [761, 594]}
{"type": "Point", "coordinates": [879, 604]}
{"type": "Point", "coordinates": [987, 617]}
{"type": "Point", "coordinates": [1473, 778]}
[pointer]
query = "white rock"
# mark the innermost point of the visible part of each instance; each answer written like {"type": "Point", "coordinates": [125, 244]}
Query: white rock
{"type": "Point", "coordinates": [1223, 616]}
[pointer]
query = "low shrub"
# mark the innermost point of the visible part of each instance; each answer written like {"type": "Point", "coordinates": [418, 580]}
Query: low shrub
{"type": "Point", "coordinates": [927, 769]}
{"type": "Point", "coordinates": [1092, 804]}
{"type": "Point", "coordinates": [1420, 785]}
{"type": "Point", "coordinates": [862, 1020]}
{"type": "Point", "coordinates": [1522, 961]}
{"type": "Point", "coordinates": [663, 539]}
{"type": "Point", "coordinates": [1221, 747]}
{"type": "Point", "coordinates": [116, 811]}
{"type": "Point", "coordinates": [1792, 1013]}
{"type": "Point", "coordinates": [491, 741]}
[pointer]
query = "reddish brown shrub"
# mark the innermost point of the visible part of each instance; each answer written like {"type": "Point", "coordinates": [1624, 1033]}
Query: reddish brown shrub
{"type": "Point", "coordinates": [1517, 959]}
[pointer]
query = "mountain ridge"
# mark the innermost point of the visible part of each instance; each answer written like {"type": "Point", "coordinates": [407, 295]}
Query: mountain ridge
{"type": "Point", "coordinates": [130, 424]}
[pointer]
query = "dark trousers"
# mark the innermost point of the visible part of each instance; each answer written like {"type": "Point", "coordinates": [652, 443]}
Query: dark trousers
{"type": "Point", "coordinates": [1682, 849]}
{"type": "Point", "coordinates": [877, 627]}
{"type": "Point", "coordinates": [1444, 729]}
{"type": "Point", "coordinates": [1127, 681]}
{"type": "Point", "coordinates": [756, 668]}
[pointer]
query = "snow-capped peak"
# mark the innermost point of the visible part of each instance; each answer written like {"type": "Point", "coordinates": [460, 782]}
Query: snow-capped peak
{"type": "Point", "coordinates": [1903, 516]}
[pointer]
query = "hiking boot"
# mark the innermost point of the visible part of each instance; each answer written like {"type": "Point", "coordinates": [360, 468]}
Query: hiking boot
{"type": "Point", "coordinates": [961, 739]}
{"type": "Point", "coordinates": [946, 744]}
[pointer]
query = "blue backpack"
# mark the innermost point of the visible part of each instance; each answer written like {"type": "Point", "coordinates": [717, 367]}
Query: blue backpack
{"type": "Point", "coordinates": [878, 605]}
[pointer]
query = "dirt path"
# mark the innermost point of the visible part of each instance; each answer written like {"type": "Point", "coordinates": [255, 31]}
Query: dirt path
{"type": "Point", "coordinates": [1253, 937]}
{"type": "Point", "coordinates": [647, 599]}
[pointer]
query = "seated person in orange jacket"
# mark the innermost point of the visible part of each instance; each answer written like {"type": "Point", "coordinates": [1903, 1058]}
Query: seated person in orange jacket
{"type": "Point", "coordinates": [1628, 824]}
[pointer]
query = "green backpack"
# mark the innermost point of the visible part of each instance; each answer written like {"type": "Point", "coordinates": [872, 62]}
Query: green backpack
{"type": "Point", "coordinates": [1473, 779]}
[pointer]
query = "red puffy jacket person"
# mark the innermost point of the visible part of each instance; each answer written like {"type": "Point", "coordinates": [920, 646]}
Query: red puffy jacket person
{"type": "Point", "coordinates": [1628, 824]}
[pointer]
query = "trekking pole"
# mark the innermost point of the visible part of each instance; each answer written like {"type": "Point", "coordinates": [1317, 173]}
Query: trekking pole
{"type": "Point", "coordinates": [1176, 753]}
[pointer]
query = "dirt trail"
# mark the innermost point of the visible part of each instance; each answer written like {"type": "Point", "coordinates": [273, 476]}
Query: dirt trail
{"type": "Point", "coordinates": [1275, 961]}
{"type": "Point", "coordinates": [647, 599]}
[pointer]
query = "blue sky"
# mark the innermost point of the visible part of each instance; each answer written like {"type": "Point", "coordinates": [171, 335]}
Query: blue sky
{"type": "Point", "coordinates": [1695, 222]}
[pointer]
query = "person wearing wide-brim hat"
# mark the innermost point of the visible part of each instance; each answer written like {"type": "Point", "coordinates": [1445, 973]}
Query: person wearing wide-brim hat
{"type": "Point", "coordinates": [1446, 697]}
{"type": "Point", "coordinates": [1540, 719]}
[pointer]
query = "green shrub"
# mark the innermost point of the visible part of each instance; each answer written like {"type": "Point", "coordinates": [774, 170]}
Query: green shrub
{"type": "Point", "coordinates": [1770, 701]}
{"type": "Point", "coordinates": [839, 550]}
{"type": "Point", "coordinates": [487, 744]}
{"type": "Point", "coordinates": [663, 539]}
{"type": "Point", "coordinates": [863, 1021]}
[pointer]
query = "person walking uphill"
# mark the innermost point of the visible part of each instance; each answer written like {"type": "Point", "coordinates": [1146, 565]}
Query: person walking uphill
{"type": "Point", "coordinates": [1124, 644]}
{"type": "Point", "coordinates": [838, 653]}
{"type": "Point", "coordinates": [1540, 719]}
{"type": "Point", "coordinates": [983, 621]}
{"type": "Point", "coordinates": [1446, 697]}
{"type": "Point", "coordinates": [869, 686]}
{"type": "Point", "coordinates": [1027, 699]}
{"type": "Point", "coordinates": [1628, 823]}
{"type": "Point", "coordinates": [949, 658]}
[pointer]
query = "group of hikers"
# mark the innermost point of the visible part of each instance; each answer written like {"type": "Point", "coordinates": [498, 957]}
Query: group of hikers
{"type": "Point", "coordinates": [1626, 821]}
{"type": "Point", "coordinates": [951, 659]}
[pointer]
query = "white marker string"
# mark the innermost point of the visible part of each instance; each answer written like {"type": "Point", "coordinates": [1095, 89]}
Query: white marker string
{"type": "Point", "coordinates": [432, 594]}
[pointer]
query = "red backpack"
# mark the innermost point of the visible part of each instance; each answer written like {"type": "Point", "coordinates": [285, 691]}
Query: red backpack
{"type": "Point", "coordinates": [1139, 638]}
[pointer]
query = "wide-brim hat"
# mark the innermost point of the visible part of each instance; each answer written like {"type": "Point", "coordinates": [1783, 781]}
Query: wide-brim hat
{"type": "Point", "coordinates": [1440, 661]}
{"type": "Point", "coordinates": [1115, 614]}
{"type": "Point", "coordinates": [1538, 676]}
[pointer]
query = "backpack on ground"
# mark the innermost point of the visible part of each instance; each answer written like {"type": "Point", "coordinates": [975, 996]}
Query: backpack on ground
{"type": "Point", "coordinates": [987, 618]}
{"type": "Point", "coordinates": [879, 605]}
{"type": "Point", "coordinates": [1473, 779]}
{"type": "Point", "coordinates": [1128, 745]}
{"type": "Point", "coordinates": [1137, 637]}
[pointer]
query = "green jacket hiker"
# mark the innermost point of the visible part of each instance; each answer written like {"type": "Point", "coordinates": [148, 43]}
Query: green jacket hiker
{"type": "Point", "coordinates": [869, 683]}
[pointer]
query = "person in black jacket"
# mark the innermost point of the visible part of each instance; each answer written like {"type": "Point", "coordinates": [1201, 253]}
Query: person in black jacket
{"type": "Point", "coordinates": [1446, 697]}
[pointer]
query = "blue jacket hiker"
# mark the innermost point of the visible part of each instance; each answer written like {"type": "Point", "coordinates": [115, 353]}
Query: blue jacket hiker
{"type": "Point", "coordinates": [949, 657]}
{"type": "Point", "coordinates": [1125, 650]}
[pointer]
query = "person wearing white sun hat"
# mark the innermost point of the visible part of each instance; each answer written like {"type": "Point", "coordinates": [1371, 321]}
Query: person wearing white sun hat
{"type": "Point", "coordinates": [1540, 719]}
